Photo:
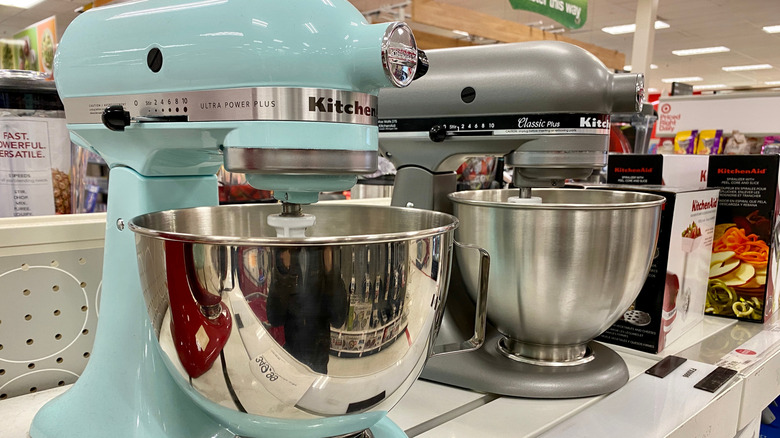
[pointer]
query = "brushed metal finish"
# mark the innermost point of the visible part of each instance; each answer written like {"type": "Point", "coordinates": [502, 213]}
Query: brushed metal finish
{"type": "Point", "coordinates": [568, 267]}
{"type": "Point", "coordinates": [230, 104]}
{"type": "Point", "coordinates": [310, 161]}
{"type": "Point", "coordinates": [367, 191]}
{"type": "Point", "coordinates": [336, 323]}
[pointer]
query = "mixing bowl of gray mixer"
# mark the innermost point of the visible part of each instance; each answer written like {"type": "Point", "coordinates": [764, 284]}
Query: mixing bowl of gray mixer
{"type": "Point", "coordinates": [568, 267]}
{"type": "Point", "coordinates": [339, 322]}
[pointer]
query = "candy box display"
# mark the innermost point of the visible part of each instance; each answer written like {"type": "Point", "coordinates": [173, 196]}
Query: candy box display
{"type": "Point", "coordinates": [685, 142]}
{"type": "Point", "coordinates": [710, 142]}
{"type": "Point", "coordinates": [666, 170]}
{"type": "Point", "coordinates": [672, 298]}
{"type": "Point", "coordinates": [743, 268]}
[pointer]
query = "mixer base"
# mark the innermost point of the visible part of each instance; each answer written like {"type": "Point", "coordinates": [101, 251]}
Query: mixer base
{"type": "Point", "coordinates": [488, 370]}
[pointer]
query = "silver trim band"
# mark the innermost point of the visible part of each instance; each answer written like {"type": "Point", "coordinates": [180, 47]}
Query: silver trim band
{"type": "Point", "coordinates": [232, 104]}
{"type": "Point", "coordinates": [320, 161]}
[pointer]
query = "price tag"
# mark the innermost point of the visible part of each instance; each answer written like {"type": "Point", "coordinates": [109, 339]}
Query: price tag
{"type": "Point", "coordinates": [285, 380]}
{"type": "Point", "coordinates": [751, 351]}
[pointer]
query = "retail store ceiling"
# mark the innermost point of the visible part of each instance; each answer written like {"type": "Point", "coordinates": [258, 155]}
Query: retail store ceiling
{"type": "Point", "coordinates": [736, 24]}
{"type": "Point", "coordinates": [693, 23]}
{"type": "Point", "coordinates": [12, 20]}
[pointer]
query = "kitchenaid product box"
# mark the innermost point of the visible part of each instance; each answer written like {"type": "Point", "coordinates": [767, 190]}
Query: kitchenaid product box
{"type": "Point", "coordinates": [744, 264]}
{"type": "Point", "coordinates": [672, 299]}
{"type": "Point", "coordinates": [666, 170]}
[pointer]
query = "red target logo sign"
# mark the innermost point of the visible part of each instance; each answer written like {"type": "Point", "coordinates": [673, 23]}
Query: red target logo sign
{"type": "Point", "coordinates": [666, 108]}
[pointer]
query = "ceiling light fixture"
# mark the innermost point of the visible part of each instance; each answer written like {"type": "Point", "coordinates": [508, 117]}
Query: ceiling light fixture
{"type": "Point", "coordinates": [628, 67]}
{"type": "Point", "coordinates": [772, 29]}
{"type": "Point", "coordinates": [630, 28]}
{"type": "Point", "coordinates": [460, 32]}
{"type": "Point", "coordinates": [709, 87]}
{"type": "Point", "coordinates": [686, 79]}
{"type": "Point", "coordinates": [747, 67]}
{"type": "Point", "coordinates": [24, 4]}
{"type": "Point", "coordinates": [772, 83]}
{"type": "Point", "coordinates": [701, 51]}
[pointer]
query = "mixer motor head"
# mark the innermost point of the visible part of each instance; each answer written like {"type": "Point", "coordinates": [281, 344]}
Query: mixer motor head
{"type": "Point", "coordinates": [283, 91]}
{"type": "Point", "coordinates": [546, 105]}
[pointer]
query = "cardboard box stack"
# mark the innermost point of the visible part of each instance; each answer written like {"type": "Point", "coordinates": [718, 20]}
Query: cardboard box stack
{"type": "Point", "coordinates": [673, 296]}
{"type": "Point", "coordinates": [666, 170]}
{"type": "Point", "coordinates": [742, 282]}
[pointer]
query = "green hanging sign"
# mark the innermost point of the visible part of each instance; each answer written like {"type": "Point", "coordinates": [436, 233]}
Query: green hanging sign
{"type": "Point", "coordinates": [570, 13]}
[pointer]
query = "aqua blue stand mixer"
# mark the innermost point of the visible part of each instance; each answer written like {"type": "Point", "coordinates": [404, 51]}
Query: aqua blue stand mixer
{"type": "Point", "coordinates": [167, 91]}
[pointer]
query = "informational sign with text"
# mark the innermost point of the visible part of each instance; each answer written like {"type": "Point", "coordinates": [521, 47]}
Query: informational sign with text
{"type": "Point", "coordinates": [29, 157]}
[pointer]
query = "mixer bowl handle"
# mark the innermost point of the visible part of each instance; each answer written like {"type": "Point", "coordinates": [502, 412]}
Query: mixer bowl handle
{"type": "Point", "coordinates": [480, 317]}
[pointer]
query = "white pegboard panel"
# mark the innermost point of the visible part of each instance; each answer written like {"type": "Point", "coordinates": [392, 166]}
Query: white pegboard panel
{"type": "Point", "coordinates": [48, 318]}
{"type": "Point", "coordinates": [50, 273]}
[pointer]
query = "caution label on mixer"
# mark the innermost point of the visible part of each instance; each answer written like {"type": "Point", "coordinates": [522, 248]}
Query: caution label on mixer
{"type": "Point", "coordinates": [535, 124]}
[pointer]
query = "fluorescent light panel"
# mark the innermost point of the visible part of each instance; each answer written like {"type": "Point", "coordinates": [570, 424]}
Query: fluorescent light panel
{"type": "Point", "coordinates": [628, 67]}
{"type": "Point", "coordinates": [747, 67]}
{"type": "Point", "coordinates": [460, 32]}
{"type": "Point", "coordinates": [686, 79]}
{"type": "Point", "coordinates": [772, 29]}
{"type": "Point", "coordinates": [772, 83]}
{"type": "Point", "coordinates": [24, 4]}
{"type": "Point", "coordinates": [630, 28]}
{"type": "Point", "coordinates": [701, 51]}
{"type": "Point", "coordinates": [709, 87]}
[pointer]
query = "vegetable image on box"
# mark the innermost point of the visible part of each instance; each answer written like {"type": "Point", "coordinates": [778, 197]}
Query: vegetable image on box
{"type": "Point", "coordinates": [738, 270]}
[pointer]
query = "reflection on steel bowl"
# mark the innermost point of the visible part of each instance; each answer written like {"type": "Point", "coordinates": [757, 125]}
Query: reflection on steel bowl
{"type": "Point", "coordinates": [336, 323]}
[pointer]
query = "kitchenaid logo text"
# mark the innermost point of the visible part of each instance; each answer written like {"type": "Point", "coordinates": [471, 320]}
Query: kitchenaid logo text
{"type": "Point", "coordinates": [742, 171]}
{"type": "Point", "coordinates": [704, 205]}
{"type": "Point", "coordinates": [328, 105]}
{"type": "Point", "coordinates": [403, 55]}
{"type": "Point", "coordinates": [633, 170]}
{"type": "Point", "coordinates": [592, 122]}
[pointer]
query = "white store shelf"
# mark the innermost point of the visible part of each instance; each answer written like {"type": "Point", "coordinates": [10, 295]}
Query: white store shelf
{"type": "Point", "coordinates": [18, 412]}
{"type": "Point", "coordinates": [426, 401]}
{"type": "Point", "coordinates": [442, 407]}
{"type": "Point", "coordinates": [523, 417]}
{"type": "Point", "coordinates": [430, 410]}
{"type": "Point", "coordinates": [762, 385]}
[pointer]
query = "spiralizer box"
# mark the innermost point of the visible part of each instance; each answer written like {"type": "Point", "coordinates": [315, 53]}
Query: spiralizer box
{"type": "Point", "coordinates": [672, 299]}
{"type": "Point", "coordinates": [667, 170]}
{"type": "Point", "coordinates": [744, 264]}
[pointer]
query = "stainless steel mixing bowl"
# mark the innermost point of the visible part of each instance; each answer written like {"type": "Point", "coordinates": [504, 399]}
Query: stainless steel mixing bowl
{"type": "Point", "coordinates": [340, 322]}
{"type": "Point", "coordinates": [562, 271]}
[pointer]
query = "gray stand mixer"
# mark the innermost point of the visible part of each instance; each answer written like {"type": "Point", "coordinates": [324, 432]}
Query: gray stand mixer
{"type": "Point", "coordinates": [564, 263]}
